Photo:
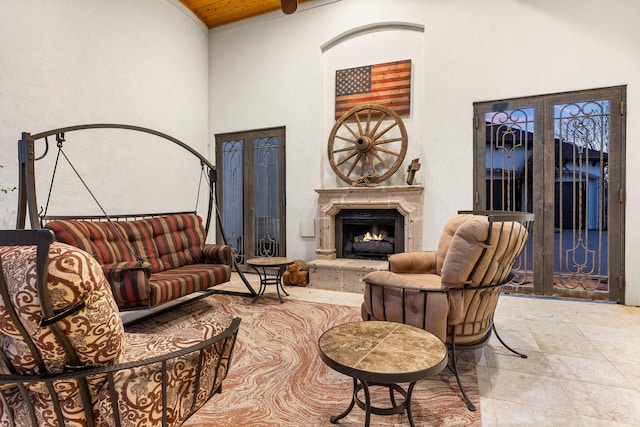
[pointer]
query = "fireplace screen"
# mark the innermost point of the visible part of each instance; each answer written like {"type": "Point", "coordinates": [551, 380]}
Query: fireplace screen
{"type": "Point", "coordinates": [369, 233]}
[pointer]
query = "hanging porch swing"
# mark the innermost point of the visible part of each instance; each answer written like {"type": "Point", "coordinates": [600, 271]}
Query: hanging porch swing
{"type": "Point", "coordinates": [116, 224]}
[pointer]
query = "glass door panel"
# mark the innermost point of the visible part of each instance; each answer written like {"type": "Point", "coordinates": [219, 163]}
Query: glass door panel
{"type": "Point", "coordinates": [561, 157]}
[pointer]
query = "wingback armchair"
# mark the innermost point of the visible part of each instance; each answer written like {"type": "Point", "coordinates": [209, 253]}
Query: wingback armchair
{"type": "Point", "coordinates": [453, 291]}
{"type": "Point", "coordinates": [66, 360]}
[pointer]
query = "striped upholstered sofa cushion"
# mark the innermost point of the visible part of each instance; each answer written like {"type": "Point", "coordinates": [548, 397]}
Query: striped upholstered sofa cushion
{"type": "Point", "coordinates": [150, 261]}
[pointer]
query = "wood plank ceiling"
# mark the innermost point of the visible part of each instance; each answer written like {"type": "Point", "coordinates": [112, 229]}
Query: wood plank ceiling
{"type": "Point", "coordinates": [215, 13]}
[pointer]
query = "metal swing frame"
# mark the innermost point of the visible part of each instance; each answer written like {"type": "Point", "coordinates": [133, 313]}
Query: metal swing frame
{"type": "Point", "coordinates": [27, 200]}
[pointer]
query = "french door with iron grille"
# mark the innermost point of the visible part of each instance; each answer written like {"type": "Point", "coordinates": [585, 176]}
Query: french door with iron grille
{"type": "Point", "coordinates": [560, 156]}
{"type": "Point", "coordinates": [251, 191]}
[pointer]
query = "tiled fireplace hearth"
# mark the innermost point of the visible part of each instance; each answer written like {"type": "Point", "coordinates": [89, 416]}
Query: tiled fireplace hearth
{"type": "Point", "coordinates": [343, 274]}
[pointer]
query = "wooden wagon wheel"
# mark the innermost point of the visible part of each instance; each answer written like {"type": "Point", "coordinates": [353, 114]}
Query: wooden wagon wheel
{"type": "Point", "coordinates": [367, 144]}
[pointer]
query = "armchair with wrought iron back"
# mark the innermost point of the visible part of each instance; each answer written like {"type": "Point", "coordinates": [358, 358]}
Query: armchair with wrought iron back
{"type": "Point", "coordinates": [452, 292]}
{"type": "Point", "coordinates": [65, 358]}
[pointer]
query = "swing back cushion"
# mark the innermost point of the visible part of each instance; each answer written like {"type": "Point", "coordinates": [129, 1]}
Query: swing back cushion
{"type": "Point", "coordinates": [150, 261]}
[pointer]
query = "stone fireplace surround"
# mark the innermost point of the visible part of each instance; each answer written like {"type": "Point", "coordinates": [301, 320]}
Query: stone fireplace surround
{"type": "Point", "coordinates": [341, 274]}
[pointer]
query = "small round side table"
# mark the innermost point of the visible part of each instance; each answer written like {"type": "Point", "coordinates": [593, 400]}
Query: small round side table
{"type": "Point", "coordinates": [380, 353]}
{"type": "Point", "coordinates": [265, 266]}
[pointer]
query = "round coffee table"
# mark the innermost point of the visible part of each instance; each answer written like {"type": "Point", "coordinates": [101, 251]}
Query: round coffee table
{"type": "Point", "coordinates": [265, 267]}
{"type": "Point", "coordinates": [383, 354]}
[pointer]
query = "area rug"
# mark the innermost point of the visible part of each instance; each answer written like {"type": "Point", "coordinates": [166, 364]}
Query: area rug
{"type": "Point", "coordinates": [278, 379]}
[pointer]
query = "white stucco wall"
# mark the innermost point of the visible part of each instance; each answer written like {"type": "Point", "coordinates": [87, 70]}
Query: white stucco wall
{"type": "Point", "coordinates": [271, 71]}
{"type": "Point", "coordinates": [72, 62]}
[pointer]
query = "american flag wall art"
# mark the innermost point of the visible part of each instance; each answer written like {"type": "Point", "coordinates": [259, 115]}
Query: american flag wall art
{"type": "Point", "coordinates": [387, 84]}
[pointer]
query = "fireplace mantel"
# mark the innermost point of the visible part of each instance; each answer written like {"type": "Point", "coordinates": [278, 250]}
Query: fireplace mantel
{"type": "Point", "coordinates": [408, 200]}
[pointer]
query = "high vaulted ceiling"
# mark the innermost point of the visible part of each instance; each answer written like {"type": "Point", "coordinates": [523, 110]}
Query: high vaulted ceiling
{"type": "Point", "coordinates": [215, 13]}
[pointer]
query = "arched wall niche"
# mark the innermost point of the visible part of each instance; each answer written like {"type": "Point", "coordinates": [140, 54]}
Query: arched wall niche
{"type": "Point", "coordinates": [371, 44]}
{"type": "Point", "coordinates": [371, 28]}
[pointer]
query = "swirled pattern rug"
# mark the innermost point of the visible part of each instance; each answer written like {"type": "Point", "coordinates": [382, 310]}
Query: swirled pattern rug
{"type": "Point", "coordinates": [278, 379]}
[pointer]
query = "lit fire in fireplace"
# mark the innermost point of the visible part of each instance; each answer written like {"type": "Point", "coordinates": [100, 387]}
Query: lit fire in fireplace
{"type": "Point", "coordinates": [369, 236]}
{"type": "Point", "coordinates": [374, 235]}
{"type": "Point", "coordinates": [375, 242]}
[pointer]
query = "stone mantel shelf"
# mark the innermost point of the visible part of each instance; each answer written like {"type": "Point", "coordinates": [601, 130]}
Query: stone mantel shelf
{"type": "Point", "coordinates": [389, 189]}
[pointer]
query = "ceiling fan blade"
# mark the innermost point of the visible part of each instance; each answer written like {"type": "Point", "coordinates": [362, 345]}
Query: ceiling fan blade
{"type": "Point", "coordinates": [289, 6]}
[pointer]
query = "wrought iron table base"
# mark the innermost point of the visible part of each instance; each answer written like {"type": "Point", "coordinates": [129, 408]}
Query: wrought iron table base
{"type": "Point", "coordinates": [395, 408]}
{"type": "Point", "coordinates": [268, 279]}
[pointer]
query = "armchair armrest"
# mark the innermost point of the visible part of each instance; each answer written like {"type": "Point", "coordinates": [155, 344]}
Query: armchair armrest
{"type": "Point", "coordinates": [413, 262]}
{"type": "Point", "coordinates": [217, 254]}
{"type": "Point", "coordinates": [129, 282]}
{"type": "Point", "coordinates": [178, 375]}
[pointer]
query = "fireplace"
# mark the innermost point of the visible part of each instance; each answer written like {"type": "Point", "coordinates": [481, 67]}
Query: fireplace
{"type": "Point", "coordinates": [334, 270]}
{"type": "Point", "coordinates": [369, 233]}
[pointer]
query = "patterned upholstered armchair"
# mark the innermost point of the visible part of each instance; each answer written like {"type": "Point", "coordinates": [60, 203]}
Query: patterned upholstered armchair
{"type": "Point", "coordinates": [452, 292]}
{"type": "Point", "coordinates": [65, 358]}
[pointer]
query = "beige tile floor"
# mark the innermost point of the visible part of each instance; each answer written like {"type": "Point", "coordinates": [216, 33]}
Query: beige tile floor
{"type": "Point", "coordinates": [583, 365]}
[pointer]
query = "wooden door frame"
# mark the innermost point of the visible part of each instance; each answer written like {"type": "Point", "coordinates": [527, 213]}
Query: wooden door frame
{"type": "Point", "coordinates": [249, 137]}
